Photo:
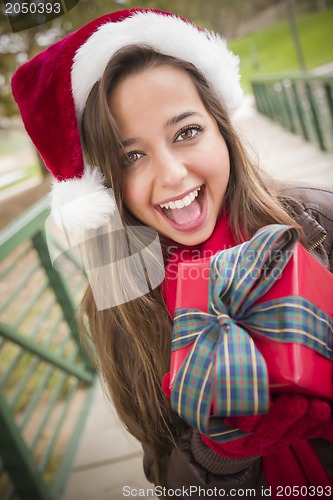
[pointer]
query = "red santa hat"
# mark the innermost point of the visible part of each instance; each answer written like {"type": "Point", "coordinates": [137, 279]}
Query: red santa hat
{"type": "Point", "coordinates": [52, 89]}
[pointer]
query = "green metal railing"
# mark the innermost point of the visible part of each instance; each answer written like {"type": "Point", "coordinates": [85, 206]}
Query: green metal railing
{"type": "Point", "coordinates": [46, 379]}
{"type": "Point", "coordinates": [301, 103]}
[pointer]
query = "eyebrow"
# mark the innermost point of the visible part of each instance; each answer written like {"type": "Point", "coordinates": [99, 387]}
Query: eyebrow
{"type": "Point", "coordinates": [129, 142]}
{"type": "Point", "coordinates": [179, 118]}
{"type": "Point", "coordinates": [173, 121]}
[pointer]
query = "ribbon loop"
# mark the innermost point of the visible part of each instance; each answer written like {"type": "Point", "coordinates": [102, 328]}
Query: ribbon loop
{"type": "Point", "coordinates": [243, 274]}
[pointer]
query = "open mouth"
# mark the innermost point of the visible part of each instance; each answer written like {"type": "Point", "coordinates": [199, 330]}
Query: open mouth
{"type": "Point", "coordinates": [185, 213]}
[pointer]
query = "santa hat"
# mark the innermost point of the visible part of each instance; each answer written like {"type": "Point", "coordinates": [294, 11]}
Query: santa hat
{"type": "Point", "coordinates": [52, 89]}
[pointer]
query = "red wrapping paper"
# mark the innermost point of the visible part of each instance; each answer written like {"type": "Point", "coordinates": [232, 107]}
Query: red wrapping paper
{"type": "Point", "coordinates": [291, 367]}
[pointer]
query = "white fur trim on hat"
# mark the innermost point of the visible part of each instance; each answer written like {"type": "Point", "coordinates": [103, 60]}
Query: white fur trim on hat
{"type": "Point", "coordinates": [83, 203]}
{"type": "Point", "coordinates": [168, 35]}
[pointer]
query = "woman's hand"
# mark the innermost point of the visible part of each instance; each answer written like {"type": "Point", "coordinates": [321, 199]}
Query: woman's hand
{"type": "Point", "coordinates": [291, 418]}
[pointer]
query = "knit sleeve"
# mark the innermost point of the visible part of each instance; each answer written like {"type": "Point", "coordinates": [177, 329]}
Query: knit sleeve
{"type": "Point", "coordinates": [216, 463]}
{"type": "Point", "coordinates": [195, 464]}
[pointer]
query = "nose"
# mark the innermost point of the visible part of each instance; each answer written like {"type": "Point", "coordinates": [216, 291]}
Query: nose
{"type": "Point", "coordinates": [170, 169]}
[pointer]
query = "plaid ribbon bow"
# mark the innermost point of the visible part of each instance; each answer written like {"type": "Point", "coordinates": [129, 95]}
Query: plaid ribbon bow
{"type": "Point", "coordinates": [224, 373]}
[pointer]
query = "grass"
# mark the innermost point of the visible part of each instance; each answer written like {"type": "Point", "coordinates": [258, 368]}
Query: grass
{"type": "Point", "coordinates": [272, 50]}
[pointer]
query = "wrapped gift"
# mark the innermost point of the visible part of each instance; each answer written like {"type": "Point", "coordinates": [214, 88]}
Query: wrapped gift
{"type": "Point", "coordinates": [254, 319]}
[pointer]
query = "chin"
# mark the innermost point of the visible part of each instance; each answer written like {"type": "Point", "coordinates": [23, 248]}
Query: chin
{"type": "Point", "coordinates": [194, 239]}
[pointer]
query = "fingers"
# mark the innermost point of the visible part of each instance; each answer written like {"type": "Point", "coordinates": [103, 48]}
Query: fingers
{"type": "Point", "coordinates": [319, 410]}
{"type": "Point", "coordinates": [291, 417]}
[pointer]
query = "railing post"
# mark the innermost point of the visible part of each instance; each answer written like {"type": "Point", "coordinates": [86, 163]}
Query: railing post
{"type": "Point", "coordinates": [261, 97]}
{"type": "Point", "coordinates": [276, 106]}
{"type": "Point", "coordinates": [61, 291]}
{"type": "Point", "coordinates": [288, 106]}
{"type": "Point", "coordinates": [46, 373]}
{"type": "Point", "coordinates": [257, 96]}
{"type": "Point", "coordinates": [269, 110]}
{"type": "Point", "coordinates": [315, 116]}
{"type": "Point", "coordinates": [34, 348]}
{"type": "Point", "coordinates": [305, 109]}
{"type": "Point", "coordinates": [299, 109]}
{"type": "Point", "coordinates": [17, 460]}
{"type": "Point", "coordinates": [329, 99]}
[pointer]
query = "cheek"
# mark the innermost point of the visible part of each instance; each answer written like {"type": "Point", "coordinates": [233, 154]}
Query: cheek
{"type": "Point", "coordinates": [134, 197]}
{"type": "Point", "coordinates": [129, 194]}
{"type": "Point", "coordinates": [217, 162]}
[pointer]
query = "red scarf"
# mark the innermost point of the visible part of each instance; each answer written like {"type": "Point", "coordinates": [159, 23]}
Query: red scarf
{"type": "Point", "coordinates": [296, 465]}
{"type": "Point", "coordinates": [221, 239]}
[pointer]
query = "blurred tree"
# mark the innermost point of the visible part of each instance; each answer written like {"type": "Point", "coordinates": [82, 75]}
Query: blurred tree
{"type": "Point", "coordinates": [17, 48]}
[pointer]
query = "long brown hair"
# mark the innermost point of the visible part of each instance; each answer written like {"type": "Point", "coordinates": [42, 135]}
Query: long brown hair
{"type": "Point", "coordinates": [133, 340]}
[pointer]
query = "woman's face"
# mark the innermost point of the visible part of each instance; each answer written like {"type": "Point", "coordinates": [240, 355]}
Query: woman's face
{"type": "Point", "coordinates": [176, 162]}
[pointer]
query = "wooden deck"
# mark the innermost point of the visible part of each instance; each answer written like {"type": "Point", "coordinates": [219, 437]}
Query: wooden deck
{"type": "Point", "coordinates": [108, 458]}
{"type": "Point", "coordinates": [282, 154]}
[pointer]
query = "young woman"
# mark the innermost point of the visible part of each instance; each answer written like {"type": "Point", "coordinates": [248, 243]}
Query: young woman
{"type": "Point", "coordinates": [149, 98]}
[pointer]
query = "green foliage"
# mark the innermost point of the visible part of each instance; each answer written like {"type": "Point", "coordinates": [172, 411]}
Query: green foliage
{"type": "Point", "coordinates": [272, 50]}
{"type": "Point", "coordinates": [16, 48]}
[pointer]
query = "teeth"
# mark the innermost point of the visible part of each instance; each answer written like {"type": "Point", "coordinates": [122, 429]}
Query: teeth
{"type": "Point", "coordinates": [187, 201]}
{"type": "Point", "coordinates": [184, 202]}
